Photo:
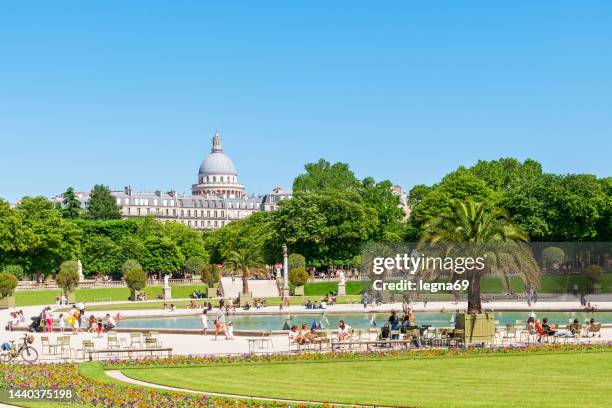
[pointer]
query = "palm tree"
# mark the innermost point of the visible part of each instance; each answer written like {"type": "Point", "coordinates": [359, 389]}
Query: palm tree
{"type": "Point", "coordinates": [243, 261]}
{"type": "Point", "coordinates": [476, 229]}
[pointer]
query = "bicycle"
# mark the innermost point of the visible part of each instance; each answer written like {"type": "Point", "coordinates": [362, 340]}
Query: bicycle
{"type": "Point", "coordinates": [28, 353]}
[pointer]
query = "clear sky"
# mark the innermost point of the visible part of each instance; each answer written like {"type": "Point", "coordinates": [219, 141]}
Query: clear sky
{"type": "Point", "coordinates": [131, 92]}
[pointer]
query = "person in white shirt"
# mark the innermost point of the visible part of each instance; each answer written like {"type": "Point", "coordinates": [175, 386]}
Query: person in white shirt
{"type": "Point", "coordinates": [344, 331]}
{"type": "Point", "coordinates": [110, 323]}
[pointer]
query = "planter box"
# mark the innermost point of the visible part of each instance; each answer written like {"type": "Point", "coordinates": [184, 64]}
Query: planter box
{"type": "Point", "coordinates": [478, 328]}
{"type": "Point", "coordinates": [7, 302]}
{"type": "Point", "coordinates": [298, 291]}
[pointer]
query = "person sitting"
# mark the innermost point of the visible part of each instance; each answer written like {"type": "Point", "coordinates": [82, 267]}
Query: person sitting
{"type": "Point", "coordinates": [192, 304]}
{"type": "Point", "coordinates": [313, 337]}
{"type": "Point", "coordinates": [93, 324]}
{"type": "Point", "coordinates": [344, 331]}
{"type": "Point", "coordinates": [293, 334]}
{"type": "Point", "coordinates": [550, 329]}
{"type": "Point", "coordinates": [385, 331]}
{"type": "Point", "coordinates": [301, 337]}
{"type": "Point", "coordinates": [308, 304]}
{"type": "Point", "coordinates": [110, 323]}
{"type": "Point", "coordinates": [539, 330]}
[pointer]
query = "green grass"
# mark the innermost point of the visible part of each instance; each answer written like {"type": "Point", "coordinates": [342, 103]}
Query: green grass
{"type": "Point", "coordinates": [47, 297]}
{"type": "Point", "coordinates": [525, 380]}
{"type": "Point", "coordinates": [323, 288]}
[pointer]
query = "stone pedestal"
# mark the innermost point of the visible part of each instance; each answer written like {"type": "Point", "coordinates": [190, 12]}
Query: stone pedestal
{"type": "Point", "coordinates": [341, 289]}
{"type": "Point", "coordinates": [167, 294]}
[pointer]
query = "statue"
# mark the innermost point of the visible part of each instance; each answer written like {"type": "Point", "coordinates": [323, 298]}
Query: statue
{"type": "Point", "coordinates": [342, 278]}
{"type": "Point", "coordinates": [80, 270]}
{"type": "Point", "coordinates": [166, 281]}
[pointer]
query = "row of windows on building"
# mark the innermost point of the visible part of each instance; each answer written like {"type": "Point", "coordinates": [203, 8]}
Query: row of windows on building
{"type": "Point", "coordinates": [202, 224]}
{"type": "Point", "coordinates": [170, 203]}
{"type": "Point", "coordinates": [221, 179]}
{"type": "Point", "coordinates": [166, 212]}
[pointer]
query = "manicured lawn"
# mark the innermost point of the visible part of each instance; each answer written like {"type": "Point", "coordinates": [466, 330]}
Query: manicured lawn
{"type": "Point", "coordinates": [323, 288]}
{"type": "Point", "coordinates": [47, 297]}
{"type": "Point", "coordinates": [525, 380]}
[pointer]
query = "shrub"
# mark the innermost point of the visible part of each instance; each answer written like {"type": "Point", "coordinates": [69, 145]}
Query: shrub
{"type": "Point", "coordinates": [296, 261]}
{"type": "Point", "coordinates": [135, 277]}
{"type": "Point", "coordinates": [594, 272]}
{"type": "Point", "coordinates": [68, 276]}
{"type": "Point", "coordinates": [16, 270]}
{"type": "Point", "coordinates": [209, 275]}
{"type": "Point", "coordinates": [298, 276]}
{"type": "Point", "coordinates": [8, 283]}
{"type": "Point", "coordinates": [553, 256]}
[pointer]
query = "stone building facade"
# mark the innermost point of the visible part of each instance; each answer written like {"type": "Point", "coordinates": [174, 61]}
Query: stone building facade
{"type": "Point", "coordinates": [217, 198]}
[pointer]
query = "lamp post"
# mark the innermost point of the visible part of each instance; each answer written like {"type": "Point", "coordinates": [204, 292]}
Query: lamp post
{"type": "Point", "coordinates": [285, 272]}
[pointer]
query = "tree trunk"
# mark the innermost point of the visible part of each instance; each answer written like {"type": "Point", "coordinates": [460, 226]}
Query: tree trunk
{"type": "Point", "coordinates": [474, 303]}
{"type": "Point", "coordinates": [245, 282]}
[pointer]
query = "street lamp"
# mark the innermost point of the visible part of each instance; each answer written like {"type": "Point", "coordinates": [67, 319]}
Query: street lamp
{"type": "Point", "coordinates": [285, 271]}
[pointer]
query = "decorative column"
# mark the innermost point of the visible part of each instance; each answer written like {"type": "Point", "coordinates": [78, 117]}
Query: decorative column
{"type": "Point", "coordinates": [285, 272]}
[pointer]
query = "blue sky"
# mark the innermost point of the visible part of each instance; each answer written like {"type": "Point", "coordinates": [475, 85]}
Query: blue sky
{"type": "Point", "coordinates": [131, 92]}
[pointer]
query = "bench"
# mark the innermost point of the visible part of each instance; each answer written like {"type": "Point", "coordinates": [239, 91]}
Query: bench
{"type": "Point", "coordinates": [130, 352]}
{"type": "Point", "coordinates": [380, 343]}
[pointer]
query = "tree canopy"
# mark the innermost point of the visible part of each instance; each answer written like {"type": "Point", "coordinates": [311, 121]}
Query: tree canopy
{"type": "Point", "coordinates": [102, 204]}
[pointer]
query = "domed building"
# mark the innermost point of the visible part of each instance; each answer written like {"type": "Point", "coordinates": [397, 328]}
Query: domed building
{"type": "Point", "coordinates": [217, 175]}
{"type": "Point", "coordinates": [216, 200]}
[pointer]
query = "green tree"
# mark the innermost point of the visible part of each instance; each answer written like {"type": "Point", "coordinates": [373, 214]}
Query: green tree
{"type": "Point", "coordinates": [100, 256]}
{"type": "Point", "coordinates": [252, 232]}
{"type": "Point", "coordinates": [16, 237]}
{"type": "Point", "coordinates": [134, 276]}
{"type": "Point", "coordinates": [209, 275]}
{"type": "Point", "coordinates": [53, 240]}
{"type": "Point", "coordinates": [15, 270]}
{"type": "Point", "coordinates": [68, 276]}
{"type": "Point", "coordinates": [323, 175]}
{"type": "Point", "coordinates": [71, 206]}
{"type": "Point", "coordinates": [8, 283]}
{"type": "Point", "coordinates": [190, 242]}
{"type": "Point", "coordinates": [296, 261]}
{"type": "Point", "coordinates": [194, 265]}
{"type": "Point", "coordinates": [243, 262]}
{"type": "Point", "coordinates": [161, 255]}
{"type": "Point", "coordinates": [102, 204]}
{"type": "Point", "coordinates": [131, 247]}
{"type": "Point", "coordinates": [380, 198]}
{"type": "Point", "coordinates": [458, 185]}
{"type": "Point", "coordinates": [326, 228]}
{"type": "Point", "coordinates": [492, 235]}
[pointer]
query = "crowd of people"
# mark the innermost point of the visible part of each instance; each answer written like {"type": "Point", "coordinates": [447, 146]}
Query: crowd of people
{"type": "Point", "coordinates": [73, 320]}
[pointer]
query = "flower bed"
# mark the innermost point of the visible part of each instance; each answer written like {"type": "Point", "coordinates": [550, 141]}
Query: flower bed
{"type": "Point", "coordinates": [351, 356]}
{"type": "Point", "coordinates": [91, 392]}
